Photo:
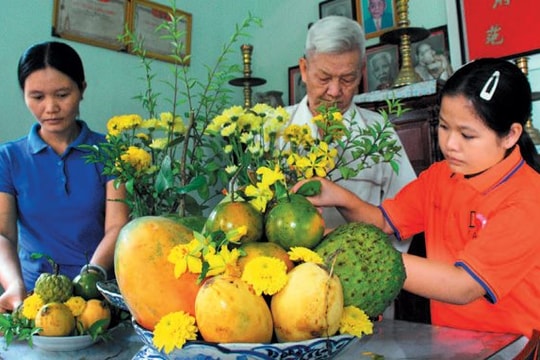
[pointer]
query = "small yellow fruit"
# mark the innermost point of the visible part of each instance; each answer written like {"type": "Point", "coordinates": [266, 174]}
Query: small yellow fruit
{"type": "Point", "coordinates": [94, 311]}
{"type": "Point", "coordinates": [55, 319]}
{"type": "Point", "coordinates": [309, 306]}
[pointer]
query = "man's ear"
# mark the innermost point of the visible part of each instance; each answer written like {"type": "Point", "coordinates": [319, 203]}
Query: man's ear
{"type": "Point", "coordinates": [83, 89]}
{"type": "Point", "coordinates": [302, 64]}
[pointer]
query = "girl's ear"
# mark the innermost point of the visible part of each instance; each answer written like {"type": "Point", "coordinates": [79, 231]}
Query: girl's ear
{"type": "Point", "coordinates": [513, 135]}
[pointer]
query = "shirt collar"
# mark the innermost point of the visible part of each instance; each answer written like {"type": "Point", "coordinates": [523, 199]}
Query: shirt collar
{"type": "Point", "coordinates": [497, 174]}
{"type": "Point", "coordinates": [36, 143]}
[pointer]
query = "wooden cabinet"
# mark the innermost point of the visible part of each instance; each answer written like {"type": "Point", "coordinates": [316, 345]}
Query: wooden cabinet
{"type": "Point", "coordinates": [417, 128]}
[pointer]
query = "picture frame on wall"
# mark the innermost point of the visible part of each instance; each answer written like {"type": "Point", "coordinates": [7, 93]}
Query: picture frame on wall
{"type": "Point", "coordinates": [297, 88]}
{"type": "Point", "coordinates": [94, 23]}
{"type": "Point", "coordinates": [376, 16]}
{"type": "Point", "coordinates": [503, 30]}
{"type": "Point", "coordinates": [382, 67]}
{"type": "Point", "coordinates": [146, 16]}
{"type": "Point", "coordinates": [345, 8]}
{"type": "Point", "coordinates": [431, 56]}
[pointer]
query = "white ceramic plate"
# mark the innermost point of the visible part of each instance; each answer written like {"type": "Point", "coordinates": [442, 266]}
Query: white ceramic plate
{"type": "Point", "coordinates": [63, 343]}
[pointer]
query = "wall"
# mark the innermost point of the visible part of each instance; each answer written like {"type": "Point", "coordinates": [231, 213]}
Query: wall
{"type": "Point", "coordinates": [113, 78]}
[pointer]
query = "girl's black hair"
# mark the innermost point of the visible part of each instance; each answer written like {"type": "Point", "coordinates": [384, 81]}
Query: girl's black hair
{"type": "Point", "coordinates": [57, 55]}
{"type": "Point", "coordinates": [501, 96]}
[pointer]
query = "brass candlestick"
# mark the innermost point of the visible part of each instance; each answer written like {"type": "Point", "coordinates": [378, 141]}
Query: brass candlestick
{"type": "Point", "coordinates": [523, 64]}
{"type": "Point", "coordinates": [247, 81]}
{"type": "Point", "coordinates": [405, 35]}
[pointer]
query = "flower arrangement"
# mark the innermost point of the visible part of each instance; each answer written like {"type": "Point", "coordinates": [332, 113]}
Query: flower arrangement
{"type": "Point", "coordinates": [263, 151]}
{"type": "Point", "coordinates": [165, 159]}
{"type": "Point", "coordinates": [266, 156]}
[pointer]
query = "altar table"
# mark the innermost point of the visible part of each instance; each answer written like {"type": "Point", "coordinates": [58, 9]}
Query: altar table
{"type": "Point", "coordinates": [392, 339]}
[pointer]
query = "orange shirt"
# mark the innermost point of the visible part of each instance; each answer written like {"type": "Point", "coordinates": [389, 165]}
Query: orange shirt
{"type": "Point", "coordinates": [490, 226]}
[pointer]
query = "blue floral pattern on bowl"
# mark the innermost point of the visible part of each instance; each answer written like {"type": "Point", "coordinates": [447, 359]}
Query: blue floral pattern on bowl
{"type": "Point", "coordinates": [109, 289]}
{"type": "Point", "coordinates": [315, 349]}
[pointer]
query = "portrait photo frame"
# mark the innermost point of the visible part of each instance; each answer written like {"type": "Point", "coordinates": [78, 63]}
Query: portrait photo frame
{"type": "Point", "coordinates": [382, 67]}
{"type": "Point", "coordinates": [497, 33]}
{"type": "Point", "coordinates": [297, 88]}
{"type": "Point", "coordinates": [93, 23]}
{"type": "Point", "coordinates": [364, 17]}
{"type": "Point", "coordinates": [440, 63]}
{"type": "Point", "coordinates": [146, 16]}
{"type": "Point", "coordinates": [345, 8]}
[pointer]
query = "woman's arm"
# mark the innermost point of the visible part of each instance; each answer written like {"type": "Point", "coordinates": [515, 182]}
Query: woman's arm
{"type": "Point", "coordinates": [10, 271]}
{"type": "Point", "coordinates": [116, 216]}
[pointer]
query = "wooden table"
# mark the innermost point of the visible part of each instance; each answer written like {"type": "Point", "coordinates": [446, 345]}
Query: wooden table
{"type": "Point", "coordinates": [392, 339]}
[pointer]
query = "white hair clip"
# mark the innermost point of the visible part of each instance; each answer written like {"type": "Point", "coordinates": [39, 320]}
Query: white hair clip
{"type": "Point", "coordinates": [491, 85]}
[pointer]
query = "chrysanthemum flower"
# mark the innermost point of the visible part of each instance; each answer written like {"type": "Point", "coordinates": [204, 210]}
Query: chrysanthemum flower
{"type": "Point", "coordinates": [355, 322]}
{"type": "Point", "coordinates": [137, 157]}
{"type": "Point", "coordinates": [173, 330]}
{"type": "Point", "coordinates": [31, 306]}
{"type": "Point", "coordinates": [267, 275]}
{"type": "Point", "coordinates": [299, 253]}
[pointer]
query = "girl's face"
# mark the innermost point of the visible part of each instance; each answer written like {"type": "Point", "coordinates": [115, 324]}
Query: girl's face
{"type": "Point", "coordinates": [53, 98]}
{"type": "Point", "coordinates": [468, 145]}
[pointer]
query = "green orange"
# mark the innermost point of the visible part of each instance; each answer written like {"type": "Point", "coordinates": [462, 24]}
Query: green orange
{"type": "Point", "coordinates": [227, 216]}
{"type": "Point", "coordinates": [294, 223]}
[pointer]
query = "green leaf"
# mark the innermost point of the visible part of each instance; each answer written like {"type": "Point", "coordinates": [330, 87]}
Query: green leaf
{"type": "Point", "coordinates": [310, 188]}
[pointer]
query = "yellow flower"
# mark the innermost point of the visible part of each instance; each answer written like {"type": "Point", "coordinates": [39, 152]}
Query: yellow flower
{"type": "Point", "coordinates": [31, 306]}
{"type": "Point", "coordinates": [159, 143]}
{"type": "Point", "coordinates": [259, 195]}
{"type": "Point", "coordinates": [231, 169]}
{"type": "Point", "coordinates": [298, 253]}
{"type": "Point", "coordinates": [76, 304]}
{"type": "Point", "coordinates": [137, 157]}
{"type": "Point", "coordinates": [270, 177]}
{"type": "Point", "coordinates": [355, 322]}
{"type": "Point", "coordinates": [221, 261]}
{"type": "Point", "coordinates": [120, 123]}
{"type": "Point", "coordinates": [267, 275]}
{"type": "Point", "coordinates": [186, 257]}
{"type": "Point", "coordinates": [173, 330]}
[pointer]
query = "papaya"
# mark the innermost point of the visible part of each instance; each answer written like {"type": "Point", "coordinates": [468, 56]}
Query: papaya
{"type": "Point", "coordinates": [145, 277]}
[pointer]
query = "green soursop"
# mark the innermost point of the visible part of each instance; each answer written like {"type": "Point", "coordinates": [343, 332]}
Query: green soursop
{"type": "Point", "coordinates": [370, 269]}
{"type": "Point", "coordinates": [52, 287]}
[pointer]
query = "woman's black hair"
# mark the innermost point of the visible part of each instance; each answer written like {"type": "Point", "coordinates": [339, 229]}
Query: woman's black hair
{"type": "Point", "coordinates": [57, 55]}
{"type": "Point", "coordinates": [501, 96]}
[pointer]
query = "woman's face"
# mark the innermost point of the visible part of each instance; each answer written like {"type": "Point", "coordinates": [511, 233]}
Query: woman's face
{"type": "Point", "coordinates": [53, 98]}
{"type": "Point", "coordinates": [468, 145]}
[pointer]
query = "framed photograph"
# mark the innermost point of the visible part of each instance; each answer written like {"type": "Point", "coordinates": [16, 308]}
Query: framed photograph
{"type": "Point", "coordinates": [500, 31]}
{"type": "Point", "coordinates": [376, 16]}
{"type": "Point", "coordinates": [382, 67]}
{"type": "Point", "coordinates": [297, 88]}
{"type": "Point", "coordinates": [146, 16]}
{"type": "Point", "coordinates": [345, 8]}
{"type": "Point", "coordinates": [97, 23]}
{"type": "Point", "coordinates": [431, 56]}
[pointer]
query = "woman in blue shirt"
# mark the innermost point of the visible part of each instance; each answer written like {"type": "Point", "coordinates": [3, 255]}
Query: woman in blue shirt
{"type": "Point", "coordinates": [51, 201]}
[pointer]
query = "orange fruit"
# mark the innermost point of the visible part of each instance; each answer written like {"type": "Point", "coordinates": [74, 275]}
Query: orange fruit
{"type": "Point", "coordinates": [294, 223]}
{"type": "Point", "coordinates": [94, 311]}
{"type": "Point", "coordinates": [256, 249]}
{"type": "Point", "coordinates": [227, 216]}
{"type": "Point", "coordinates": [55, 319]}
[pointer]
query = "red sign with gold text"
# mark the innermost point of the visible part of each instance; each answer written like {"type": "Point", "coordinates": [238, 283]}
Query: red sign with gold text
{"type": "Point", "coordinates": [500, 28]}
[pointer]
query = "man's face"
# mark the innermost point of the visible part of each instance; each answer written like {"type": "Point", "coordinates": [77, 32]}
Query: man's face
{"type": "Point", "coordinates": [376, 8]}
{"type": "Point", "coordinates": [331, 79]}
{"type": "Point", "coordinates": [381, 70]}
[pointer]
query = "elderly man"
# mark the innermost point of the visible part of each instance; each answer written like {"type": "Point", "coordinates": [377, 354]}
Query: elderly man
{"type": "Point", "coordinates": [332, 71]}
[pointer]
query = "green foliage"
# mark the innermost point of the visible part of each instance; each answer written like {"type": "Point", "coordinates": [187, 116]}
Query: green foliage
{"type": "Point", "coordinates": [16, 327]}
{"type": "Point", "coordinates": [183, 172]}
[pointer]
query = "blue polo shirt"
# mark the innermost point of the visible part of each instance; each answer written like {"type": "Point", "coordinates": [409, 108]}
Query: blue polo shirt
{"type": "Point", "coordinates": [60, 201]}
